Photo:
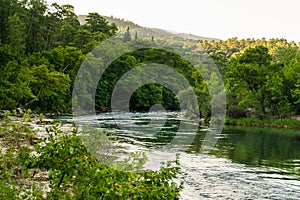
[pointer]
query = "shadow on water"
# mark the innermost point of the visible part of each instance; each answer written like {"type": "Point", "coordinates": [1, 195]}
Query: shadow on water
{"type": "Point", "coordinates": [261, 147]}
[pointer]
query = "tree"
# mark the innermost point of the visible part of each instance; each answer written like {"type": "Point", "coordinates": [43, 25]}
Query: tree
{"type": "Point", "coordinates": [17, 34]}
{"type": "Point", "coordinates": [15, 90]}
{"type": "Point", "coordinates": [135, 35]}
{"type": "Point", "coordinates": [127, 36]}
{"type": "Point", "coordinates": [289, 59]}
{"type": "Point", "coordinates": [97, 23]}
{"type": "Point", "coordinates": [36, 26]}
{"type": "Point", "coordinates": [7, 9]}
{"type": "Point", "coordinates": [252, 68]}
{"type": "Point", "coordinates": [50, 89]}
{"type": "Point", "coordinates": [62, 25]}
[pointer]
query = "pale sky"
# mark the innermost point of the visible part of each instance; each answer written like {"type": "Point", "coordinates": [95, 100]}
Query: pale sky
{"type": "Point", "coordinates": [210, 18]}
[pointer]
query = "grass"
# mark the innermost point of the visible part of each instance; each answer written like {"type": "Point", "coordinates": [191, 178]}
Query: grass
{"type": "Point", "coordinates": [266, 122]}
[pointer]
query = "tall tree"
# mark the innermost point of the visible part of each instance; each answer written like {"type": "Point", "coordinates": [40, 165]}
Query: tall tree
{"type": "Point", "coordinates": [7, 9]}
{"type": "Point", "coordinates": [17, 34]}
{"type": "Point", "coordinates": [252, 68]}
{"type": "Point", "coordinates": [63, 24]}
{"type": "Point", "coordinates": [127, 36]}
{"type": "Point", "coordinates": [97, 23]}
{"type": "Point", "coordinates": [37, 27]}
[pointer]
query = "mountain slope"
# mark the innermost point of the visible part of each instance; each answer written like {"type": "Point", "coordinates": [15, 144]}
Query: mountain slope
{"type": "Point", "coordinates": [146, 32]}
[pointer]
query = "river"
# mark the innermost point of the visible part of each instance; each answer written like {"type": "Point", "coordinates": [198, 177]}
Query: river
{"type": "Point", "coordinates": [245, 163]}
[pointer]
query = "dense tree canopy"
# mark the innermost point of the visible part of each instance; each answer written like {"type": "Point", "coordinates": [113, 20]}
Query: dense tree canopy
{"type": "Point", "coordinates": [42, 47]}
{"type": "Point", "coordinates": [261, 76]}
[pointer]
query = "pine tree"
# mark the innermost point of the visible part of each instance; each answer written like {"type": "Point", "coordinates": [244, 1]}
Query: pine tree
{"type": "Point", "coordinates": [127, 36]}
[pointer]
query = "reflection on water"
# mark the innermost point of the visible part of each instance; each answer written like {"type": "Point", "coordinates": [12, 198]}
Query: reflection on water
{"type": "Point", "coordinates": [274, 149]}
{"type": "Point", "coordinates": [246, 163]}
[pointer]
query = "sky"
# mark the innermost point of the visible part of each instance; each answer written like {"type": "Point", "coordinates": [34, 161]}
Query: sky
{"type": "Point", "coordinates": [220, 19]}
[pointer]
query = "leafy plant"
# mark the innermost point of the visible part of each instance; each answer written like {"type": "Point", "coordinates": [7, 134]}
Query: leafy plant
{"type": "Point", "coordinates": [76, 174]}
{"type": "Point", "coordinates": [73, 172]}
{"type": "Point", "coordinates": [41, 117]}
{"type": "Point", "coordinates": [6, 192]}
{"type": "Point", "coordinates": [26, 115]}
{"type": "Point", "coordinates": [6, 117]}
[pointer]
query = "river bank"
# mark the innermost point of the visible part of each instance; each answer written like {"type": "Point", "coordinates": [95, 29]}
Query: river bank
{"type": "Point", "coordinates": [42, 158]}
{"type": "Point", "coordinates": [293, 123]}
{"type": "Point", "coordinates": [19, 134]}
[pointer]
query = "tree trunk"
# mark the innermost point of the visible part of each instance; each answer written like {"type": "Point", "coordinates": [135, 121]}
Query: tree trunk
{"type": "Point", "coordinates": [262, 103]}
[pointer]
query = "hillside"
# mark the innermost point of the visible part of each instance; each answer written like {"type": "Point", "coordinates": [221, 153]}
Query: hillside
{"type": "Point", "coordinates": [147, 32]}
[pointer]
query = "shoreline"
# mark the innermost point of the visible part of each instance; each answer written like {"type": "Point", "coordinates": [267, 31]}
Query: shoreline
{"type": "Point", "coordinates": [280, 123]}
{"type": "Point", "coordinates": [36, 152]}
{"type": "Point", "coordinates": [41, 120]}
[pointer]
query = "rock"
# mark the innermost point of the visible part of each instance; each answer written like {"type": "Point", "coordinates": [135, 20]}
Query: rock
{"type": "Point", "coordinates": [46, 122]}
{"type": "Point", "coordinates": [4, 111]}
{"type": "Point", "coordinates": [19, 111]}
{"type": "Point", "coordinates": [32, 116]}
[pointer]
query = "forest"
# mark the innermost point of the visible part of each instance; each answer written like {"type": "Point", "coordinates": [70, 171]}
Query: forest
{"type": "Point", "coordinates": [42, 47]}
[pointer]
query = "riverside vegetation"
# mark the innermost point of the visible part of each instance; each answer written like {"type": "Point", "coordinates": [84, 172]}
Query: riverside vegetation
{"type": "Point", "coordinates": [56, 165]}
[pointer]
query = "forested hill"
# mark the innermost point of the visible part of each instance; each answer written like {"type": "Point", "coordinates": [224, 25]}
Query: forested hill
{"type": "Point", "coordinates": [122, 25]}
{"type": "Point", "coordinates": [42, 47]}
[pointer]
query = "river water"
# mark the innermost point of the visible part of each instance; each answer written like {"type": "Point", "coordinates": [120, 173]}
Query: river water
{"type": "Point", "coordinates": [245, 163]}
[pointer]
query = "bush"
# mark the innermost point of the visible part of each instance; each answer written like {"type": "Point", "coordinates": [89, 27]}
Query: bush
{"type": "Point", "coordinates": [74, 173]}
{"type": "Point", "coordinates": [6, 192]}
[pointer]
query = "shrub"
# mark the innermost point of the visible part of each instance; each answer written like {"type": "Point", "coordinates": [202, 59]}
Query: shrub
{"type": "Point", "coordinates": [74, 173]}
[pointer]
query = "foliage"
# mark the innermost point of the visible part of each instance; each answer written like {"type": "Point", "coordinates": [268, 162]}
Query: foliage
{"type": "Point", "coordinates": [43, 46]}
{"type": "Point", "coordinates": [6, 192]}
{"type": "Point", "coordinates": [150, 94]}
{"type": "Point", "coordinates": [267, 122]}
{"type": "Point", "coordinates": [261, 76]}
{"type": "Point", "coordinates": [39, 53]}
{"type": "Point", "coordinates": [75, 174]}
